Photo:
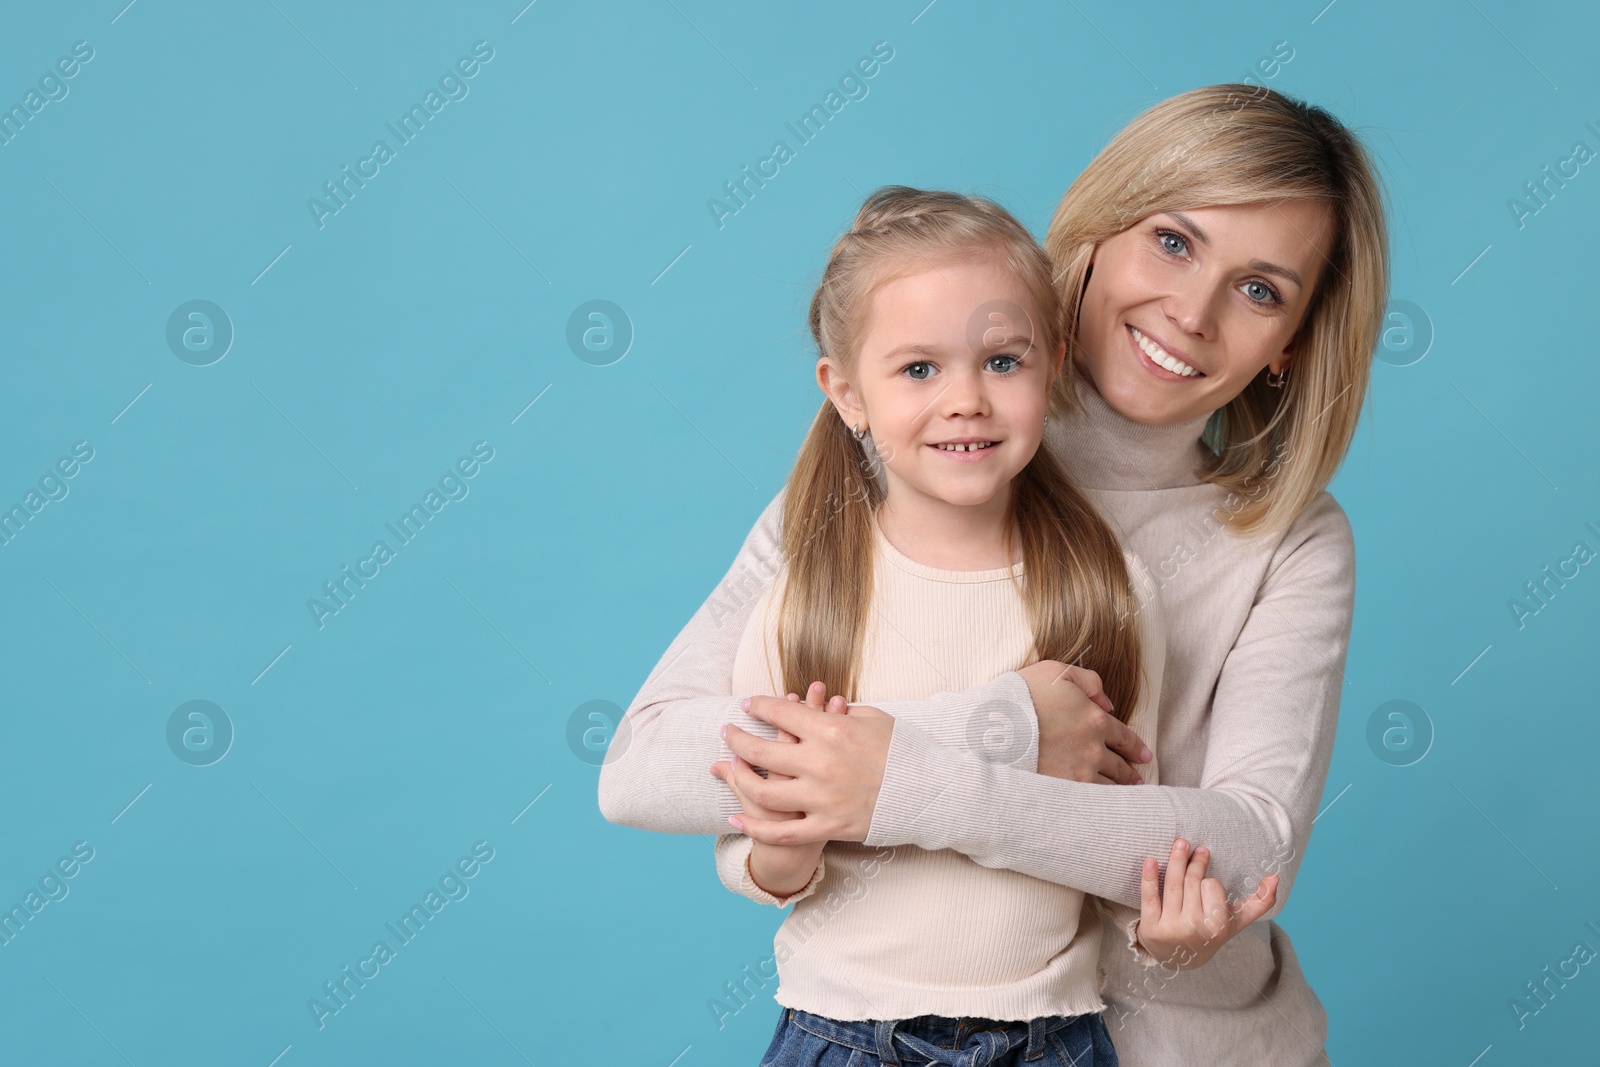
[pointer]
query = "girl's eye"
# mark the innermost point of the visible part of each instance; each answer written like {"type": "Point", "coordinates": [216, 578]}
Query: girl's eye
{"type": "Point", "coordinates": [1172, 242]}
{"type": "Point", "coordinates": [1009, 364]}
{"type": "Point", "coordinates": [1262, 293]}
{"type": "Point", "coordinates": [911, 370]}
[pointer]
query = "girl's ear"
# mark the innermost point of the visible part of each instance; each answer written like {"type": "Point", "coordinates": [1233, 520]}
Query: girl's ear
{"type": "Point", "coordinates": [839, 391]}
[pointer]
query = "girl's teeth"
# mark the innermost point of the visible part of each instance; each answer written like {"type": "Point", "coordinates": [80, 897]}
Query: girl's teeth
{"type": "Point", "coordinates": [1159, 356]}
{"type": "Point", "coordinates": [965, 448]}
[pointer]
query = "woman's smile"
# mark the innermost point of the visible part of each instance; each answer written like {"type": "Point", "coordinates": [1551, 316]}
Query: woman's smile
{"type": "Point", "coordinates": [1160, 360]}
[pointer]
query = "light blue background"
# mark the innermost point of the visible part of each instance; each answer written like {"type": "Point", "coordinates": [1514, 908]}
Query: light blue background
{"type": "Point", "coordinates": [430, 712]}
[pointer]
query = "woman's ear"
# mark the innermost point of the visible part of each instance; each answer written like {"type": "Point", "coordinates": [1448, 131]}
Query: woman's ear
{"type": "Point", "coordinates": [839, 391]}
{"type": "Point", "coordinates": [1286, 357]}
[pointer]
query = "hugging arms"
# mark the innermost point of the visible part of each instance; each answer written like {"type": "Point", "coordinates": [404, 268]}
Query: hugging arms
{"type": "Point", "coordinates": [937, 790]}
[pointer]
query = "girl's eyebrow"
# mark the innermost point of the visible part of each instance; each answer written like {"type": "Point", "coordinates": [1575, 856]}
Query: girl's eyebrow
{"type": "Point", "coordinates": [915, 348]}
{"type": "Point", "coordinates": [1255, 264]}
{"type": "Point", "coordinates": [922, 348]}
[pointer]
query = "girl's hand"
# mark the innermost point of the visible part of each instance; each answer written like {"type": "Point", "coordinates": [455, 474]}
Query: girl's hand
{"type": "Point", "coordinates": [834, 773]}
{"type": "Point", "coordinates": [1079, 739]}
{"type": "Point", "coordinates": [1186, 927]}
{"type": "Point", "coordinates": [781, 870]}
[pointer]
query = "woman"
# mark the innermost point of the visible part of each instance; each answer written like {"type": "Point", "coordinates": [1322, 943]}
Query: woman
{"type": "Point", "coordinates": [1224, 264]}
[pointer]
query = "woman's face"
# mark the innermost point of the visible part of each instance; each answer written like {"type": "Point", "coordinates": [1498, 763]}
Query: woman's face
{"type": "Point", "coordinates": [1184, 308]}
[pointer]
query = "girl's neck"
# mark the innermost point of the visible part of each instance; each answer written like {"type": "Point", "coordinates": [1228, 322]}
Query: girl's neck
{"type": "Point", "coordinates": [948, 536]}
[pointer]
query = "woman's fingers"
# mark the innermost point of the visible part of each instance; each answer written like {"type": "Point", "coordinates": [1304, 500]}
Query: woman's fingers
{"type": "Point", "coordinates": [1116, 770]}
{"type": "Point", "coordinates": [1125, 743]}
{"type": "Point", "coordinates": [1089, 682]}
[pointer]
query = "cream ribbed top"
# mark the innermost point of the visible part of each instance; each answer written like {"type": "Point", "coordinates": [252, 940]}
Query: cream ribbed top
{"type": "Point", "coordinates": [895, 932]}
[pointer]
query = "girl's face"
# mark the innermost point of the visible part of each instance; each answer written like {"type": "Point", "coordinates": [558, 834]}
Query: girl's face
{"type": "Point", "coordinates": [949, 355]}
{"type": "Point", "coordinates": [1184, 308]}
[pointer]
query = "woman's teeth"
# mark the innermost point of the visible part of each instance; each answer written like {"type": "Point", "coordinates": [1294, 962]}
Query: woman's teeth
{"type": "Point", "coordinates": [975, 446]}
{"type": "Point", "coordinates": [1160, 357]}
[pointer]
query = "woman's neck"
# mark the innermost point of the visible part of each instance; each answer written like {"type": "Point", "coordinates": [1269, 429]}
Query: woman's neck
{"type": "Point", "coordinates": [1103, 449]}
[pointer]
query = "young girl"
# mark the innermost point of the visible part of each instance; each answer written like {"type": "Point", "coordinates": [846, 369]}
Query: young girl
{"type": "Point", "coordinates": [951, 550]}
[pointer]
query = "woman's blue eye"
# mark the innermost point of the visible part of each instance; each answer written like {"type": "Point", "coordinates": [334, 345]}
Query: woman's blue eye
{"type": "Point", "coordinates": [910, 368]}
{"type": "Point", "coordinates": [1262, 293]}
{"type": "Point", "coordinates": [1009, 368]}
{"type": "Point", "coordinates": [1168, 237]}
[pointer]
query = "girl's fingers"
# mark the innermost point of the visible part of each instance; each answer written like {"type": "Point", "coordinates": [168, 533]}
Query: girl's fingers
{"type": "Point", "coordinates": [746, 782]}
{"type": "Point", "coordinates": [1089, 682]}
{"type": "Point", "coordinates": [1218, 916]}
{"type": "Point", "coordinates": [1192, 877]}
{"type": "Point", "coordinates": [770, 832]}
{"type": "Point", "coordinates": [1177, 863]}
{"type": "Point", "coordinates": [817, 695]}
{"type": "Point", "coordinates": [1150, 892]}
{"type": "Point", "coordinates": [1258, 903]}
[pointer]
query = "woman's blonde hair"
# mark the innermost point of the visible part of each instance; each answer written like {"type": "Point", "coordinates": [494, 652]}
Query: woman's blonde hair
{"type": "Point", "coordinates": [1243, 144]}
{"type": "Point", "coordinates": [1075, 580]}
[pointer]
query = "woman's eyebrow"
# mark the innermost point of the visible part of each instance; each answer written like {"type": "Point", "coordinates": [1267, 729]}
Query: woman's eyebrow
{"type": "Point", "coordinates": [1255, 264]}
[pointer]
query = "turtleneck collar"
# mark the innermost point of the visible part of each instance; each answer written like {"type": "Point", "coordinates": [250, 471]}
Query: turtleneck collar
{"type": "Point", "coordinates": [1102, 449]}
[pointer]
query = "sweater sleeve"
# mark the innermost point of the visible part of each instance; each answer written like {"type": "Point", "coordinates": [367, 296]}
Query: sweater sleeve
{"type": "Point", "coordinates": [733, 867]}
{"type": "Point", "coordinates": [657, 770]}
{"type": "Point", "coordinates": [1271, 736]}
{"type": "Point", "coordinates": [1144, 721]}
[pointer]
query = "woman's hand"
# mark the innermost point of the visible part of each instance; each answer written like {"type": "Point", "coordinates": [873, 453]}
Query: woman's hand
{"type": "Point", "coordinates": [1185, 927]}
{"type": "Point", "coordinates": [825, 787]}
{"type": "Point", "coordinates": [1079, 739]}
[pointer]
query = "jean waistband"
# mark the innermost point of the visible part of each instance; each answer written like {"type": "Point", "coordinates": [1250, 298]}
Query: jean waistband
{"type": "Point", "coordinates": [959, 1042]}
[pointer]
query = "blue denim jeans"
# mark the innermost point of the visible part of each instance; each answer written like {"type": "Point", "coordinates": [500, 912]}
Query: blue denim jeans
{"type": "Point", "coordinates": [806, 1040]}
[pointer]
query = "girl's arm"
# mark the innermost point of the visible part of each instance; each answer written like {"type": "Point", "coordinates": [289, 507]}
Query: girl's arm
{"type": "Point", "coordinates": [1270, 737]}
{"type": "Point", "coordinates": [733, 867]}
{"type": "Point", "coordinates": [657, 770]}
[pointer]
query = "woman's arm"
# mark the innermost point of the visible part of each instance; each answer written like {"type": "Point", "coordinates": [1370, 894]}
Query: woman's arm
{"type": "Point", "coordinates": [657, 770]}
{"type": "Point", "coordinates": [1270, 739]}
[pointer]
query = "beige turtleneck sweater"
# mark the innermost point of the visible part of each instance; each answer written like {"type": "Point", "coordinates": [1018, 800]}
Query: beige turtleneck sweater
{"type": "Point", "coordinates": [1256, 637]}
{"type": "Point", "coordinates": [902, 931]}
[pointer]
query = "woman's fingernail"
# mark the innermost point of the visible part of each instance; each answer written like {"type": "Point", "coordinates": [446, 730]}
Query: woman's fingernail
{"type": "Point", "coordinates": [1145, 755]}
{"type": "Point", "coordinates": [744, 705]}
{"type": "Point", "coordinates": [724, 731]}
{"type": "Point", "coordinates": [736, 822]}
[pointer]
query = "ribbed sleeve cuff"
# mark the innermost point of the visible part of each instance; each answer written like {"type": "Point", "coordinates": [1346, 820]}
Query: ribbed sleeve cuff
{"type": "Point", "coordinates": [748, 887]}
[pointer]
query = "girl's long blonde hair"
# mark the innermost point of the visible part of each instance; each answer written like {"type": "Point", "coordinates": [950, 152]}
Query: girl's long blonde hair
{"type": "Point", "coordinates": [1244, 144]}
{"type": "Point", "coordinates": [1075, 580]}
